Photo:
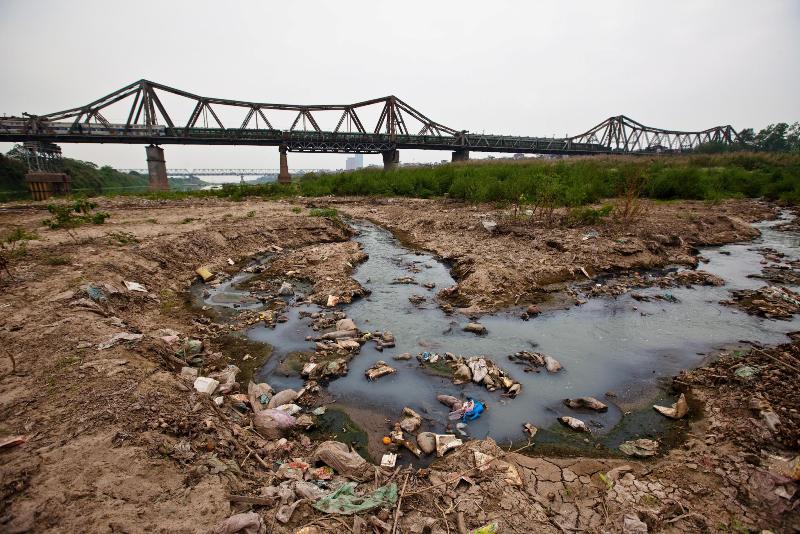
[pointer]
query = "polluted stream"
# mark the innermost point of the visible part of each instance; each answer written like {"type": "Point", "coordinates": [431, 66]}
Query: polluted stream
{"type": "Point", "coordinates": [628, 347]}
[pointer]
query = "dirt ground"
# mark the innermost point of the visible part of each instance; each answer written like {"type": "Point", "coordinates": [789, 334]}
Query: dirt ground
{"type": "Point", "coordinates": [116, 441]}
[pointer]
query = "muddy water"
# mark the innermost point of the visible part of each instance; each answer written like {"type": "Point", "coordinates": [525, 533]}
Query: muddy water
{"type": "Point", "coordinates": [619, 345]}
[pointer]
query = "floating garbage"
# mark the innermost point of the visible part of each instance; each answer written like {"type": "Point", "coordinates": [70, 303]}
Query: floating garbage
{"type": "Point", "coordinates": [378, 370]}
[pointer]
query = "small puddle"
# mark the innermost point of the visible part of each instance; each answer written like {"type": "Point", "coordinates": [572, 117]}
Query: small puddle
{"type": "Point", "coordinates": [620, 345]}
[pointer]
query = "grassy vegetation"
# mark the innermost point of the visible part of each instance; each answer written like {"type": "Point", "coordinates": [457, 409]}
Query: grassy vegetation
{"type": "Point", "coordinates": [578, 181]}
{"type": "Point", "coordinates": [571, 182]}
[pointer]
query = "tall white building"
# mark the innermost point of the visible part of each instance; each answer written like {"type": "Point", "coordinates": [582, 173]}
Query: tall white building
{"type": "Point", "coordinates": [356, 162]}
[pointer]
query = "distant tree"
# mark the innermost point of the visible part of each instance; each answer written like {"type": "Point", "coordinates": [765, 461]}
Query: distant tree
{"type": "Point", "coordinates": [746, 138]}
{"type": "Point", "coordinates": [773, 138]}
{"type": "Point", "coordinates": [793, 137]}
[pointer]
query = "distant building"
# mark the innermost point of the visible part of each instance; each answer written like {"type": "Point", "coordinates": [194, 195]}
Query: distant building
{"type": "Point", "coordinates": [356, 162]}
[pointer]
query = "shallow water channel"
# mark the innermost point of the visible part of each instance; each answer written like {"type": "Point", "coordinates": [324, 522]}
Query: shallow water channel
{"type": "Point", "coordinates": [619, 345]}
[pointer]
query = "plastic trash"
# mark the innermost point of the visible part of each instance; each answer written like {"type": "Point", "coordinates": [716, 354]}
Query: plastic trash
{"type": "Point", "coordinates": [204, 384]}
{"type": "Point", "coordinates": [389, 459]}
{"type": "Point", "coordinates": [205, 274]}
{"type": "Point", "coordinates": [474, 412]}
{"type": "Point", "coordinates": [446, 442]}
{"type": "Point", "coordinates": [345, 501]}
{"type": "Point", "coordinates": [135, 286]}
{"type": "Point", "coordinates": [344, 461]}
{"type": "Point", "coordinates": [273, 424]}
{"type": "Point", "coordinates": [245, 523]}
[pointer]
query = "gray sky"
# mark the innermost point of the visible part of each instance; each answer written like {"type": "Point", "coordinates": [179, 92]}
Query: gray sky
{"type": "Point", "coordinates": [518, 68]}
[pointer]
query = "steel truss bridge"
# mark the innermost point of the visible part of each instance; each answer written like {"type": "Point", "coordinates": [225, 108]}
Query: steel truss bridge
{"type": "Point", "coordinates": [223, 172]}
{"type": "Point", "coordinates": [143, 117]}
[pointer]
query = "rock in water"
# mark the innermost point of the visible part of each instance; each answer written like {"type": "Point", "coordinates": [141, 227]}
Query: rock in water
{"type": "Point", "coordinates": [677, 410]}
{"type": "Point", "coordinates": [573, 423]}
{"type": "Point", "coordinates": [475, 328]}
{"type": "Point", "coordinates": [551, 364]}
{"type": "Point", "coordinates": [286, 290]}
{"type": "Point", "coordinates": [586, 403]}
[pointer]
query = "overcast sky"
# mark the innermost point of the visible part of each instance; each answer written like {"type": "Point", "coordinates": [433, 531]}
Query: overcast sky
{"type": "Point", "coordinates": [519, 68]}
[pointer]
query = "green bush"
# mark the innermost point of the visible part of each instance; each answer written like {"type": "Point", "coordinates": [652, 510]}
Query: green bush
{"type": "Point", "coordinates": [73, 215]}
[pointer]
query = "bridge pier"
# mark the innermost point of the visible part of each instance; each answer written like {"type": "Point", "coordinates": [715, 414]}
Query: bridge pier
{"type": "Point", "coordinates": [460, 155]}
{"type": "Point", "coordinates": [283, 176]}
{"type": "Point", "coordinates": [391, 159]}
{"type": "Point", "coordinates": [157, 168]}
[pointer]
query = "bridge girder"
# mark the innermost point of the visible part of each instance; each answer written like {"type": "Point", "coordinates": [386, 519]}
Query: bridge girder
{"type": "Point", "coordinates": [149, 121]}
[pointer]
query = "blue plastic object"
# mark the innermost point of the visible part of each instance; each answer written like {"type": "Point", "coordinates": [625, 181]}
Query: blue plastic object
{"type": "Point", "coordinates": [475, 412]}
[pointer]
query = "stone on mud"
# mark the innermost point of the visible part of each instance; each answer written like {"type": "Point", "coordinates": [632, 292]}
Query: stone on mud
{"type": "Point", "coordinates": [286, 290]}
{"type": "Point", "coordinates": [378, 370]}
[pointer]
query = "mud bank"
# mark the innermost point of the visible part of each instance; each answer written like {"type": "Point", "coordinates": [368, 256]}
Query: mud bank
{"type": "Point", "coordinates": [525, 261]}
{"type": "Point", "coordinates": [114, 440]}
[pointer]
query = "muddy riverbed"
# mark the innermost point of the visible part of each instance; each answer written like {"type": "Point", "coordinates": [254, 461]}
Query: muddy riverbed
{"type": "Point", "coordinates": [621, 349]}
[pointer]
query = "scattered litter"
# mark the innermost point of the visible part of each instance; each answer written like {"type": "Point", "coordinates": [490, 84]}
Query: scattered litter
{"type": "Point", "coordinates": [445, 443]}
{"type": "Point", "coordinates": [489, 225]}
{"type": "Point", "coordinates": [344, 461]}
{"type": "Point", "coordinates": [389, 459]}
{"type": "Point", "coordinates": [231, 262]}
{"type": "Point", "coordinates": [135, 286]}
{"type": "Point", "coordinates": [116, 338]}
{"type": "Point", "coordinates": [245, 523]}
{"type": "Point", "coordinates": [273, 424]}
{"type": "Point", "coordinates": [333, 300]}
{"type": "Point", "coordinates": [205, 274]}
{"type": "Point", "coordinates": [378, 370]}
{"type": "Point", "coordinates": [530, 430]}
{"type": "Point", "coordinates": [641, 448]}
{"type": "Point", "coordinates": [411, 420]}
{"type": "Point", "coordinates": [283, 397]}
{"type": "Point", "coordinates": [204, 384]}
{"type": "Point", "coordinates": [319, 411]}
{"type": "Point", "coordinates": [676, 411]}
{"type": "Point", "coordinates": [345, 501]}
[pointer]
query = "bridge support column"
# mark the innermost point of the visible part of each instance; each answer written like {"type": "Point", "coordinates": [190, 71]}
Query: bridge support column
{"type": "Point", "coordinates": [283, 176]}
{"type": "Point", "coordinates": [157, 168]}
{"type": "Point", "coordinates": [460, 155]}
{"type": "Point", "coordinates": [391, 159]}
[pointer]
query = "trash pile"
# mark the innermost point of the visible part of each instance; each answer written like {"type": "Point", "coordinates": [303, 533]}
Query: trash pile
{"type": "Point", "coordinates": [625, 283]}
{"type": "Point", "coordinates": [772, 302]}
{"type": "Point", "coordinates": [533, 361]}
{"type": "Point", "coordinates": [477, 369]}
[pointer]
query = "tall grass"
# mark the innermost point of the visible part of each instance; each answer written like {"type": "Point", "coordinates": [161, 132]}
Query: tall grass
{"type": "Point", "coordinates": [577, 181]}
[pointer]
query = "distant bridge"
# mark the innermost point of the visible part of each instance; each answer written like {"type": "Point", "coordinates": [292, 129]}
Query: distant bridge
{"type": "Point", "coordinates": [222, 172]}
{"type": "Point", "coordinates": [397, 126]}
